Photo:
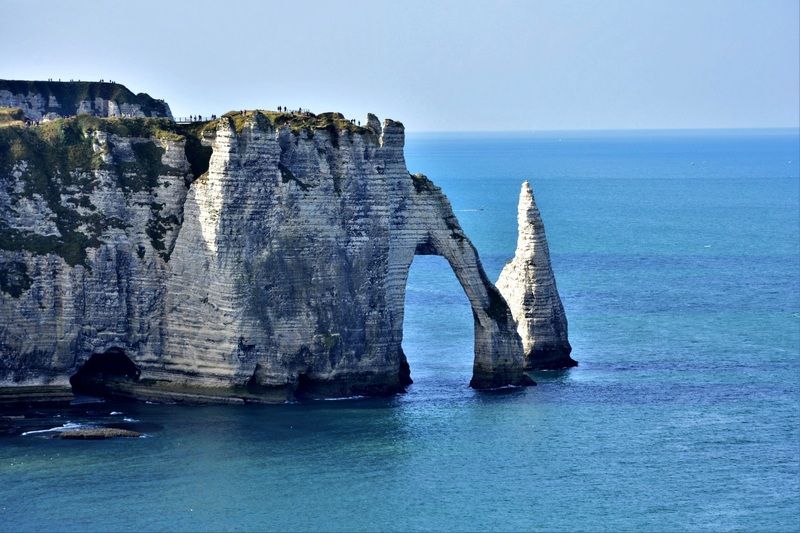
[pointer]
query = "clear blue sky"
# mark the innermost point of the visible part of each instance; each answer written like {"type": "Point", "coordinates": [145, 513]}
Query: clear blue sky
{"type": "Point", "coordinates": [437, 66]}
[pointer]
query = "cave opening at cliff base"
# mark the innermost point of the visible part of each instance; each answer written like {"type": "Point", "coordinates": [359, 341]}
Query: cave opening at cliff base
{"type": "Point", "coordinates": [438, 325]}
{"type": "Point", "coordinates": [102, 370]}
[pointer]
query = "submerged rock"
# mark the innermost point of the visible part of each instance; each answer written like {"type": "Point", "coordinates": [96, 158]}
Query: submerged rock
{"type": "Point", "coordinates": [529, 286]}
{"type": "Point", "coordinates": [96, 434]}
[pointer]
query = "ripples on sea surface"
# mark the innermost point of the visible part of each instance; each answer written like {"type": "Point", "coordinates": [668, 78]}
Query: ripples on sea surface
{"type": "Point", "coordinates": [677, 256]}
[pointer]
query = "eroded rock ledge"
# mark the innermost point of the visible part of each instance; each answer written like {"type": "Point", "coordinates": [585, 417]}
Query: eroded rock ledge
{"type": "Point", "coordinates": [258, 257]}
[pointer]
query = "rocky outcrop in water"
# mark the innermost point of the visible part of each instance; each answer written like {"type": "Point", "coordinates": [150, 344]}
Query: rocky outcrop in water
{"type": "Point", "coordinates": [257, 257]}
{"type": "Point", "coordinates": [54, 99]}
{"type": "Point", "coordinates": [97, 434]}
{"type": "Point", "coordinates": [529, 286]}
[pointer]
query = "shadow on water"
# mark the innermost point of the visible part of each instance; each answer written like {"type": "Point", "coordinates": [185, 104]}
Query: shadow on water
{"type": "Point", "coordinates": [500, 392]}
{"type": "Point", "coordinates": [281, 421]}
{"type": "Point", "coordinates": [248, 422]}
{"type": "Point", "coordinates": [48, 420]}
{"type": "Point", "coordinates": [550, 376]}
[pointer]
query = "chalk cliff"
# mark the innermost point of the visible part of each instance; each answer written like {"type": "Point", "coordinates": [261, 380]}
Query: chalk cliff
{"type": "Point", "coordinates": [528, 285]}
{"type": "Point", "coordinates": [258, 257]}
{"type": "Point", "coordinates": [53, 99]}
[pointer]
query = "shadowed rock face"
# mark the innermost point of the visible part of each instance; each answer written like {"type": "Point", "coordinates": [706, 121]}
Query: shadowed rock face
{"type": "Point", "coordinates": [52, 99]}
{"type": "Point", "coordinates": [529, 286]}
{"type": "Point", "coordinates": [279, 271]}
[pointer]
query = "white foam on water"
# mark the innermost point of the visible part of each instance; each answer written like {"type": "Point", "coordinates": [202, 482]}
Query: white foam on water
{"type": "Point", "coordinates": [42, 431]}
{"type": "Point", "coordinates": [59, 429]}
{"type": "Point", "coordinates": [115, 413]}
{"type": "Point", "coordinates": [80, 400]}
{"type": "Point", "coordinates": [129, 419]}
{"type": "Point", "coordinates": [505, 387]}
{"type": "Point", "coordinates": [356, 397]}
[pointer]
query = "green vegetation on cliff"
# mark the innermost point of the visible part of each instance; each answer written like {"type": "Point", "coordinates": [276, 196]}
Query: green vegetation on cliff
{"type": "Point", "coordinates": [198, 154]}
{"type": "Point", "coordinates": [14, 278]}
{"type": "Point", "coordinates": [333, 123]}
{"type": "Point", "coordinates": [11, 116]}
{"type": "Point", "coordinates": [57, 164]}
{"type": "Point", "coordinates": [422, 184]}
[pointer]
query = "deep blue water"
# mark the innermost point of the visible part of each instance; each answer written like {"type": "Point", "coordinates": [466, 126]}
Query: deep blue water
{"type": "Point", "coordinates": [677, 255]}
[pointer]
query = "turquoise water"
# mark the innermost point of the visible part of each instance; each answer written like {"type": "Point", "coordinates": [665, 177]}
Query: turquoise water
{"type": "Point", "coordinates": [678, 259]}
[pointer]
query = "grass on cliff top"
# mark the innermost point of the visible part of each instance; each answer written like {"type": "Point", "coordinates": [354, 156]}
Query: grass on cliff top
{"type": "Point", "coordinates": [11, 116]}
{"type": "Point", "coordinates": [160, 128]}
{"type": "Point", "coordinates": [70, 93]}
{"type": "Point", "coordinates": [265, 120]}
{"type": "Point", "coordinates": [295, 121]}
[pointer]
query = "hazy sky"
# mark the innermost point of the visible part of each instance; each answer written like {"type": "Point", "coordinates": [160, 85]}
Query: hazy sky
{"type": "Point", "coordinates": [436, 66]}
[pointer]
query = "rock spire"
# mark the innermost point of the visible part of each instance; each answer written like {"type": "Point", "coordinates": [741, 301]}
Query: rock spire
{"type": "Point", "coordinates": [529, 286]}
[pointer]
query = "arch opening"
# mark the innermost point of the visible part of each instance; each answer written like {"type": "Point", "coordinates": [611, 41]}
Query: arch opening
{"type": "Point", "coordinates": [438, 326]}
{"type": "Point", "coordinates": [102, 371]}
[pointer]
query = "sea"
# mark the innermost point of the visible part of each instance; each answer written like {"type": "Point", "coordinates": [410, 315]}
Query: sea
{"type": "Point", "coordinates": [677, 256]}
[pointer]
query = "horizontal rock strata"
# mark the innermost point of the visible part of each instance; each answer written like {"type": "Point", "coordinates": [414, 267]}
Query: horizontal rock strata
{"type": "Point", "coordinates": [529, 286]}
{"type": "Point", "coordinates": [260, 256]}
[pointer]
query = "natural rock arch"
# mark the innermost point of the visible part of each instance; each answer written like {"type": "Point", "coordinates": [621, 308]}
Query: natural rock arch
{"type": "Point", "coordinates": [280, 270]}
{"type": "Point", "coordinates": [305, 246]}
{"type": "Point", "coordinates": [427, 226]}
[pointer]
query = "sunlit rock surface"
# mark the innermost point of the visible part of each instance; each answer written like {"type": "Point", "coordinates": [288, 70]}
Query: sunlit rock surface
{"type": "Point", "coordinates": [529, 286]}
{"type": "Point", "coordinates": [257, 257]}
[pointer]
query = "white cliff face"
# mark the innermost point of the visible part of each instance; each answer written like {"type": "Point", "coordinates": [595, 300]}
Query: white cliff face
{"type": "Point", "coordinates": [50, 100]}
{"type": "Point", "coordinates": [82, 255]}
{"type": "Point", "coordinates": [529, 286]}
{"type": "Point", "coordinates": [279, 272]}
{"type": "Point", "coordinates": [298, 245]}
{"type": "Point", "coordinates": [33, 105]}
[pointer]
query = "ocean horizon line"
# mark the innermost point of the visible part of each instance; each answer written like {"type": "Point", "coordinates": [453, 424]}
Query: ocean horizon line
{"type": "Point", "coordinates": [594, 131]}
